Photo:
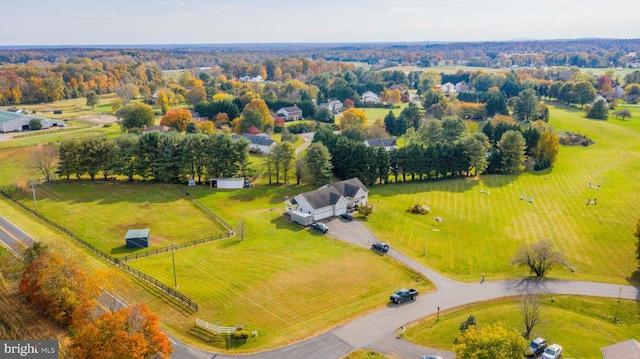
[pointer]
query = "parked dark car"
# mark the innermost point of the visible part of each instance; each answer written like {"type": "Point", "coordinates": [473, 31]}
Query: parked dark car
{"type": "Point", "coordinates": [319, 227]}
{"type": "Point", "coordinates": [380, 247]}
{"type": "Point", "coordinates": [347, 216]}
{"type": "Point", "coordinates": [403, 295]}
{"type": "Point", "coordinates": [537, 346]}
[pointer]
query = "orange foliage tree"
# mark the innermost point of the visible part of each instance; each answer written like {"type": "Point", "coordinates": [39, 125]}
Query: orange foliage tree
{"type": "Point", "coordinates": [353, 117]}
{"type": "Point", "coordinates": [57, 285]}
{"type": "Point", "coordinates": [177, 119]}
{"type": "Point", "coordinates": [131, 333]}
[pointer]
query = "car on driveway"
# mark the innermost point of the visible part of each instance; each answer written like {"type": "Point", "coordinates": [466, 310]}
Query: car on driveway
{"type": "Point", "coordinates": [380, 247]}
{"type": "Point", "coordinates": [347, 216]}
{"type": "Point", "coordinates": [319, 227]}
{"type": "Point", "coordinates": [537, 346]}
{"type": "Point", "coordinates": [554, 351]}
{"type": "Point", "coordinates": [432, 357]}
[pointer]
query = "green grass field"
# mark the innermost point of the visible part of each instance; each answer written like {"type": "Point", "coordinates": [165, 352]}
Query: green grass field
{"type": "Point", "coordinates": [282, 280]}
{"type": "Point", "coordinates": [582, 325]}
{"type": "Point", "coordinates": [481, 232]}
{"type": "Point", "coordinates": [101, 214]}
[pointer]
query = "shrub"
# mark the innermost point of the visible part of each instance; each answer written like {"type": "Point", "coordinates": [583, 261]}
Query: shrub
{"type": "Point", "coordinates": [35, 124]}
{"type": "Point", "coordinates": [546, 163]}
{"type": "Point", "coordinates": [241, 334]}
{"type": "Point", "coordinates": [420, 209]}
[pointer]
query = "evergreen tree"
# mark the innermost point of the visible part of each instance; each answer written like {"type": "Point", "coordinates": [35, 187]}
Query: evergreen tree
{"type": "Point", "coordinates": [318, 161]}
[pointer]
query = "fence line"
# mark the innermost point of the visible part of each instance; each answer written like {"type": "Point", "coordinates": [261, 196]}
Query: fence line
{"type": "Point", "coordinates": [214, 328]}
{"type": "Point", "coordinates": [168, 290]}
{"type": "Point", "coordinates": [200, 205]}
{"type": "Point", "coordinates": [134, 256]}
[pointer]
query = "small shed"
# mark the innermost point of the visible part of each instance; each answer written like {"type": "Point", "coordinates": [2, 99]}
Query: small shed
{"type": "Point", "coordinates": [227, 183]}
{"type": "Point", "coordinates": [192, 183]}
{"type": "Point", "coordinates": [301, 218]}
{"type": "Point", "coordinates": [137, 238]}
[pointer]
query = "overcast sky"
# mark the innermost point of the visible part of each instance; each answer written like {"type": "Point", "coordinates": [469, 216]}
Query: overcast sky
{"type": "Point", "coordinates": [87, 22]}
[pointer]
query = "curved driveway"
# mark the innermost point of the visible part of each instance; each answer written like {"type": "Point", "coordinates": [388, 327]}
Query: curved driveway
{"type": "Point", "coordinates": [378, 330]}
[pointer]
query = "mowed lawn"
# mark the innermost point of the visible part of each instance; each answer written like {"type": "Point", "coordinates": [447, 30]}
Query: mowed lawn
{"type": "Point", "coordinates": [282, 280]}
{"type": "Point", "coordinates": [582, 325]}
{"type": "Point", "coordinates": [102, 214]}
{"type": "Point", "coordinates": [481, 232]}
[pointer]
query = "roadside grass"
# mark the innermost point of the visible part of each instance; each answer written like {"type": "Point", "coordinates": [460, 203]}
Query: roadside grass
{"type": "Point", "coordinates": [101, 214]}
{"type": "Point", "coordinates": [282, 280]}
{"type": "Point", "coordinates": [15, 166]}
{"type": "Point", "coordinates": [480, 233]}
{"type": "Point", "coordinates": [581, 325]}
{"type": "Point", "coordinates": [365, 354]}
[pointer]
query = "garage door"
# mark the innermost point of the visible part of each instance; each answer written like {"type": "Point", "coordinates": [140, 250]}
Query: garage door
{"type": "Point", "coordinates": [326, 213]}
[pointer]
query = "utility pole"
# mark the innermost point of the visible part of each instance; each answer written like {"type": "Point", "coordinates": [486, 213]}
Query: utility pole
{"type": "Point", "coordinates": [615, 317]}
{"type": "Point", "coordinates": [173, 259]}
{"type": "Point", "coordinates": [33, 190]}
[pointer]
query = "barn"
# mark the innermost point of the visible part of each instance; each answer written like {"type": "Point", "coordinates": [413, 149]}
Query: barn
{"type": "Point", "coordinates": [137, 238]}
{"type": "Point", "coordinates": [227, 183]}
{"type": "Point", "coordinates": [16, 122]}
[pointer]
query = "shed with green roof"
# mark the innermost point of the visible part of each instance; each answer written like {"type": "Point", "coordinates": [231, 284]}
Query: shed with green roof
{"type": "Point", "coordinates": [137, 238]}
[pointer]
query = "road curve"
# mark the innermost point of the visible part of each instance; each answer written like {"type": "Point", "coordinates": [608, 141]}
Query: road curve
{"type": "Point", "coordinates": [378, 329]}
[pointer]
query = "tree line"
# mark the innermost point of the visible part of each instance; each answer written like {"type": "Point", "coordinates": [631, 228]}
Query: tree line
{"type": "Point", "coordinates": [168, 158]}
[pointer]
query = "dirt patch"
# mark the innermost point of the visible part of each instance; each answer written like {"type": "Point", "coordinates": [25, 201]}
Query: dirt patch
{"type": "Point", "coordinates": [99, 119]}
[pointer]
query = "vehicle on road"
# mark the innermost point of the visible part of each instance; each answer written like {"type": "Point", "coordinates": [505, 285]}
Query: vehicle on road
{"type": "Point", "coordinates": [552, 352]}
{"type": "Point", "coordinates": [319, 227]}
{"type": "Point", "coordinates": [380, 247]}
{"type": "Point", "coordinates": [537, 346]}
{"type": "Point", "coordinates": [404, 295]}
{"type": "Point", "coordinates": [347, 216]}
{"type": "Point", "coordinates": [432, 357]}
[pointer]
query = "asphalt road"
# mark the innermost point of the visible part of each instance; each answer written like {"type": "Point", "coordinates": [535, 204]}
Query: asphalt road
{"type": "Point", "coordinates": [379, 330]}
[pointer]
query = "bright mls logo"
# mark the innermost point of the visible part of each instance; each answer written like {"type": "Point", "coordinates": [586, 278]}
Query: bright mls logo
{"type": "Point", "coordinates": [32, 349]}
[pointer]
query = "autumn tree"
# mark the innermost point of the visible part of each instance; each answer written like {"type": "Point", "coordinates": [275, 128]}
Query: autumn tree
{"type": "Point", "coordinates": [163, 101]}
{"type": "Point", "coordinates": [127, 92]}
{"type": "Point", "coordinates": [353, 117]}
{"type": "Point", "coordinates": [57, 285]}
{"type": "Point", "coordinates": [116, 288]}
{"type": "Point", "coordinates": [129, 333]}
{"type": "Point", "coordinates": [177, 119]}
{"type": "Point", "coordinates": [539, 257]}
{"type": "Point", "coordinates": [256, 113]}
{"type": "Point", "coordinates": [45, 159]}
{"type": "Point", "coordinates": [530, 310]}
{"type": "Point", "coordinates": [318, 161]}
{"type": "Point", "coordinates": [494, 341]}
{"type": "Point", "coordinates": [584, 92]}
{"type": "Point", "coordinates": [195, 95]}
{"type": "Point", "coordinates": [135, 115]}
{"type": "Point", "coordinates": [93, 99]}
{"type": "Point", "coordinates": [428, 79]}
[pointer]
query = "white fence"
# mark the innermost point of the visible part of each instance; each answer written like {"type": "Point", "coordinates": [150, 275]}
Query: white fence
{"type": "Point", "coordinates": [214, 328]}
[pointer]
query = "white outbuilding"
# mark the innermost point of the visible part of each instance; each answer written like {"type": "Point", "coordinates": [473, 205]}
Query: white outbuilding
{"type": "Point", "coordinates": [227, 183]}
{"type": "Point", "coordinates": [16, 122]}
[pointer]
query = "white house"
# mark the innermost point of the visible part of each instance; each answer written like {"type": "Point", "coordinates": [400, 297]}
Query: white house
{"type": "Point", "coordinates": [448, 88]}
{"type": "Point", "coordinates": [290, 113]}
{"type": "Point", "coordinates": [330, 200]}
{"type": "Point", "coordinates": [251, 79]}
{"type": "Point", "coordinates": [462, 87]}
{"type": "Point", "coordinates": [334, 106]}
{"type": "Point", "coordinates": [370, 97]}
{"type": "Point", "coordinates": [16, 122]}
{"type": "Point", "coordinates": [388, 143]}
{"type": "Point", "coordinates": [257, 143]}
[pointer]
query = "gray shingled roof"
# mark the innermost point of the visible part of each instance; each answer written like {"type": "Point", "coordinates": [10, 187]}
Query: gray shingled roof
{"type": "Point", "coordinates": [382, 142]}
{"type": "Point", "coordinates": [629, 349]}
{"type": "Point", "coordinates": [322, 197]}
{"type": "Point", "coordinates": [293, 108]}
{"type": "Point", "coordinates": [348, 188]}
{"type": "Point", "coordinates": [259, 140]}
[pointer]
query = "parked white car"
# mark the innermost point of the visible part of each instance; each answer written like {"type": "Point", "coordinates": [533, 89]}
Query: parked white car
{"type": "Point", "coordinates": [552, 352]}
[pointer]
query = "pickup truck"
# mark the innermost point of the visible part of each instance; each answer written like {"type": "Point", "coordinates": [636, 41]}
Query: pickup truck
{"type": "Point", "coordinates": [404, 295]}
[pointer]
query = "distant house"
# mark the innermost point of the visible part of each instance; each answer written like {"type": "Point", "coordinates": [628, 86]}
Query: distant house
{"type": "Point", "coordinates": [334, 106]}
{"type": "Point", "coordinates": [251, 79]}
{"type": "Point", "coordinates": [292, 113]}
{"type": "Point", "coordinates": [330, 200]}
{"type": "Point", "coordinates": [629, 349]}
{"type": "Point", "coordinates": [161, 129]}
{"type": "Point", "coordinates": [15, 110]}
{"type": "Point", "coordinates": [16, 121]}
{"type": "Point", "coordinates": [370, 97]}
{"type": "Point", "coordinates": [598, 98]}
{"type": "Point", "coordinates": [619, 91]}
{"type": "Point", "coordinates": [388, 143]}
{"type": "Point", "coordinates": [257, 143]}
{"type": "Point", "coordinates": [154, 97]}
{"type": "Point", "coordinates": [448, 88]}
{"type": "Point", "coordinates": [462, 87]}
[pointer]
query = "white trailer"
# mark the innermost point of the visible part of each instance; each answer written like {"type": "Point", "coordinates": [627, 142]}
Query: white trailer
{"type": "Point", "coordinates": [301, 218]}
{"type": "Point", "coordinates": [227, 183]}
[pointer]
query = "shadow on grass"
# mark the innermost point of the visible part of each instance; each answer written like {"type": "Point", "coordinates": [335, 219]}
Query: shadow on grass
{"type": "Point", "coordinates": [417, 186]}
{"type": "Point", "coordinates": [283, 222]}
{"type": "Point", "coordinates": [164, 298]}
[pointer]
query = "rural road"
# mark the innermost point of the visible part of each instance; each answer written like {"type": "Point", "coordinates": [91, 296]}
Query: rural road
{"type": "Point", "coordinates": [307, 137]}
{"type": "Point", "coordinates": [378, 330]}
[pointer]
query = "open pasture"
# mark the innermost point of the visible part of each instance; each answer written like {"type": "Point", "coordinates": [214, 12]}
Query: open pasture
{"type": "Point", "coordinates": [101, 213]}
{"type": "Point", "coordinates": [480, 232]}
{"type": "Point", "coordinates": [582, 325]}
